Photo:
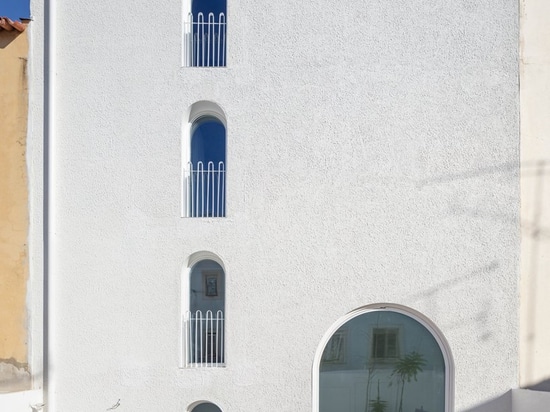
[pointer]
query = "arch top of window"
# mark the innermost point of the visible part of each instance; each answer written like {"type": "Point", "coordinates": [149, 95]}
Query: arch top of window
{"type": "Point", "coordinates": [203, 406]}
{"type": "Point", "coordinates": [202, 255]}
{"type": "Point", "coordinates": [392, 307]}
{"type": "Point", "coordinates": [386, 347]}
{"type": "Point", "coordinates": [205, 109]}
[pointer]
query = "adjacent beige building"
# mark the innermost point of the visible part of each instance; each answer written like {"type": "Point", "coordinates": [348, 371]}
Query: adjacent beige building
{"type": "Point", "coordinates": [535, 193]}
{"type": "Point", "coordinates": [14, 215]}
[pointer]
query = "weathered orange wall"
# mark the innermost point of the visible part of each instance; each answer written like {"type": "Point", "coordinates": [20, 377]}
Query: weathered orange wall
{"type": "Point", "coordinates": [13, 211]}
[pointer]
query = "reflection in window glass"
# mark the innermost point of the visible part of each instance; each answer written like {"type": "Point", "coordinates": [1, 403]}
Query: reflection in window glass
{"type": "Point", "coordinates": [384, 343]}
{"type": "Point", "coordinates": [206, 407]}
{"type": "Point", "coordinates": [205, 320]}
{"type": "Point", "coordinates": [382, 361]}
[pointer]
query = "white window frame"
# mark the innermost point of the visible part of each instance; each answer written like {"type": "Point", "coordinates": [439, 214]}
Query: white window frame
{"type": "Point", "coordinates": [195, 112]}
{"type": "Point", "coordinates": [185, 289]}
{"type": "Point", "coordinates": [388, 307]}
{"type": "Point", "coordinates": [191, 407]}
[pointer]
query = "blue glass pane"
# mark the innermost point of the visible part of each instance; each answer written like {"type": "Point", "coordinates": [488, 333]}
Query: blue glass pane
{"type": "Point", "coordinates": [208, 141]}
{"type": "Point", "coordinates": [382, 361]}
{"type": "Point", "coordinates": [209, 6]}
{"type": "Point", "coordinates": [209, 33]}
{"type": "Point", "coordinates": [207, 177]}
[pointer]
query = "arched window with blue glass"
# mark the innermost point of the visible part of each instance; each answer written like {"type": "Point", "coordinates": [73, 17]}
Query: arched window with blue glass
{"type": "Point", "coordinates": [205, 174]}
{"type": "Point", "coordinates": [204, 33]}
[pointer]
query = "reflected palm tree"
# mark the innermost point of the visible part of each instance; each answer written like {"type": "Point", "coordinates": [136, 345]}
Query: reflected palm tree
{"type": "Point", "coordinates": [406, 369]}
{"type": "Point", "coordinates": [378, 405]}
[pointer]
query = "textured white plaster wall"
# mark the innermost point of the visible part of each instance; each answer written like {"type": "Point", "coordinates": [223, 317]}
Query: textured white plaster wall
{"type": "Point", "coordinates": [22, 401]}
{"type": "Point", "coordinates": [372, 157]}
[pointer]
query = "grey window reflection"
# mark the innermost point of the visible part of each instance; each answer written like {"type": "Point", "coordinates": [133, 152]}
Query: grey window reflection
{"type": "Point", "coordinates": [207, 305]}
{"type": "Point", "coordinates": [382, 361]}
{"type": "Point", "coordinates": [206, 407]}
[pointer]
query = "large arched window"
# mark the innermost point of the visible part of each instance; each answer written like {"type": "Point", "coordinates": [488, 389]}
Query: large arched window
{"type": "Point", "coordinates": [204, 320]}
{"type": "Point", "coordinates": [204, 33]}
{"type": "Point", "coordinates": [205, 151]}
{"type": "Point", "coordinates": [385, 358]}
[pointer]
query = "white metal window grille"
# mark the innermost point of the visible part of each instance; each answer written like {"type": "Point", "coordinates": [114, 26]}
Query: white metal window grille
{"type": "Point", "coordinates": [203, 339]}
{"type": "Point", "coordinates": [205, 190]}
{"type": "Point", "coordinates": [204, 40]}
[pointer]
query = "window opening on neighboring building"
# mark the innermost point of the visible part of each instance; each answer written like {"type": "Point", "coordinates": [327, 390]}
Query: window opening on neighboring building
{"type": "Point", "coordinates": [385, 343]}
{"type": "Point", "coordinates": [204, 33]}
{"type": "Point", "coordinates": [203, 406]}
{"type": "Point", "coordinates": [205, 173]}
{"type": "Point", "coordinates": [204, 322]}
{"type": "Point", "coordinates": [383, 359]}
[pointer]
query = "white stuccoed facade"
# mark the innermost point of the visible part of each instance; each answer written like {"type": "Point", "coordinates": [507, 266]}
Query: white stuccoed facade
{"type": "Point", "coordinates": [372, 156]}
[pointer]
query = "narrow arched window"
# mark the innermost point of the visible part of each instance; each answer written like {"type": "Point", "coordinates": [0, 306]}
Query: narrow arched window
{"type": "Point", "coordinates": [204, 322]}
{"type": "Point", "coordinates": [205, 174]}
{"type": "Point", "coordinates": [383, 360]}
{"type": "Point", "coordinates": [204, 37]}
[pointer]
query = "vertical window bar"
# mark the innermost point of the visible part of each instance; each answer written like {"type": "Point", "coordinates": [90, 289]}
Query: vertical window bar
{"type": "Point", "coordinates": [224, 25]}
{"type": "Point", "coordinates": [196, 38]}
{"type": "Point", "coordinates": [208, 188]}
{"type": "Point", "coordinates": [195, 338]}
{"type": "Point", "coordinates": [202, 23]}
{"type": "Point", "coordinates": [200, 185]}
{"type": "Point", "coordinates": [210, 29]}
{"type": "Point", "coordinates": [217, 360]}
{"type": "Point", "coordinates": [218, 42]}
{"type": "Point", "coordinates": [196, 195]}
{"type": "Point", "coordinates": [218, 182]}
{"type": "Point", "coordinates": [223, 191]}
{"type": "Point", "coordinates": [222, 338]}
{"type": "Point", "coordinates": [202, 338]}
{"type": "Point", "coordinates": [190, 192]}
{"type": "Point", "coordinates": [213, 192]}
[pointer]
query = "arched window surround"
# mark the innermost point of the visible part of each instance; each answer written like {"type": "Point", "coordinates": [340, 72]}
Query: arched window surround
{"type": "Point", "coordinates": [185, 287]}
{"type": "Point", "coordinates": [198, 111]}
{"type": "Point", "coordinates": [404, 310]}
{"type": "Point", "coordinates": [192, 407]}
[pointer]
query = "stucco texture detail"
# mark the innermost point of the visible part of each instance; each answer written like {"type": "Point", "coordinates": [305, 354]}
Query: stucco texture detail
{"type": "Point", "coordinates": [13, 211]}
{"type": "Point", "coordinates": [372, 156]}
